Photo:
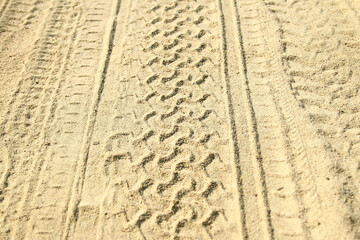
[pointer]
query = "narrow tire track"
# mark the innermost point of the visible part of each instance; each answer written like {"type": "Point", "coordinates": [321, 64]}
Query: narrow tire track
{"type": "Point", "coordinates": [37, 167]}
{"type": "Point", "coordinates": [253, 132]}
{"type": "Point", "coordinates": [81, 165]}
{"type": "Point", "coordinates": [233, 126]}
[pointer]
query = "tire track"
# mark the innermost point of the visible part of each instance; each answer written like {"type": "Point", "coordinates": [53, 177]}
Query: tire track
{"type": "Point", "coordinates": [306, 178]}
{"type": "Point", "coordinates": [234, 132]}
{"type": "Point", "coordinates": [254, 140]}
{"type": "Point", "coordinates": [8, 40]}
{"type": "Point", "coordinates": [83, 158]}
{"type": "Point", "coordinates": [267, 116]}
{"type": "Point", "coordinates": [268, 127]}
{"type": "Point", "coordinates": [8, 113]}
{"type": "Point", "coordinates": [268, 109]}
{"type": "Point", "coordinates": [17, 15]}
{"type": "Point", "coordinates": [37, 168]}
{"type": "Point", "coordinates": [24, 115]}
{"type": "Point", "coordinates": [161, 150]}
{"type": "Point", "coordinates": [43, 218]}
{"type": "Point", "coordinates": [66, 128]}
{"type": "Point", "coordinates": [321, 107]}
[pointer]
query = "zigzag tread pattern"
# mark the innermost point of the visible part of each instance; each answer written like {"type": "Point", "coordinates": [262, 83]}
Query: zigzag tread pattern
{"type": "Point", "coordinates": [167, 159]}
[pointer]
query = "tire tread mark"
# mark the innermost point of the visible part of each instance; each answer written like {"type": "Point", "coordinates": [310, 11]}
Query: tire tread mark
{"type": "Point", "coordinates": [38, 165]}
{"type": "Point", "coordinates": [252, 125]}
{"type": "Point", "coordinates": [83, 158]}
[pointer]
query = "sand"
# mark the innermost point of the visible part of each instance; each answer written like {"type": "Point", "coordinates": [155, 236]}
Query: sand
{"type": "Point", "coordinates": [179, 119]}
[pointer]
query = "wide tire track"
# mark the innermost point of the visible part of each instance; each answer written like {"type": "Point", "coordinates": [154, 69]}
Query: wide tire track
{"type": "Point", "coordinates": [165, 163]}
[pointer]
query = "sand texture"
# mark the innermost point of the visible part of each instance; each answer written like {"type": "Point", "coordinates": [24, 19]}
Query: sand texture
{"type": "Point", "coordinates": [180, 119]}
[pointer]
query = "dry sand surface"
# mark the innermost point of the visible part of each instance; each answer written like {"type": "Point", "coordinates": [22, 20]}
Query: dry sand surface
{"type": "Point", "coordinates": [179, 119]}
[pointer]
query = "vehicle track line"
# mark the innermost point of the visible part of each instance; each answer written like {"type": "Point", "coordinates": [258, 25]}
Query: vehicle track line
{"type": "Point", "coordinates": [253, 132]}
{"type": "Point", "coordinates": [233, 126]}
{"type": "Point", "coordinates": [11, 164]}
{"type": "Point", "coordinates": [15, 95]}
{"type": "Point", "coordinates": [309, 175]}
{"type": "Point", "coordinates": [38, 163]}
{"type": "Point", "coordinates": [39, 166]}
{"type": "Point", "coordinates": [76, 191]}
{"type": "Point", "coordinates": [271, 125]}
